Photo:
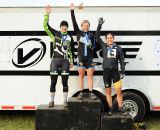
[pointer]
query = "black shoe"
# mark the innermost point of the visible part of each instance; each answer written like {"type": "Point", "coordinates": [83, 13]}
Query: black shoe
{"type": "Point", "coordinates": [110, 112]}
{"type": "Point", "coordinates": [80, 96]}
{"type": "Point", "coordinates": [51, 104]}
{"type": "Point", "coordinates": [92, 96]}
{"type": "Point", "coordinates": [122, 111]}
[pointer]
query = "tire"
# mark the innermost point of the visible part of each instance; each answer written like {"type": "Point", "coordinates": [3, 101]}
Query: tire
{"type": "Point", "coordinates": [134, 104]}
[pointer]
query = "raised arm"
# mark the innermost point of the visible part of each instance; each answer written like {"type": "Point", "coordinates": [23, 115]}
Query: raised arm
{"type": "Point", "coordinates": [75, 25]}
{"type": "Point", "coordinates": [98, 33]}
{"type": "Point", "coordinates": [49, 30]}
{"type": "Point", "coordinates": [72, 49]}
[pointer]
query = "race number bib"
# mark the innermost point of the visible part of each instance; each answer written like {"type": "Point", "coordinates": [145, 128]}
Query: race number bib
{"type": "Point", "coordinates": [112, 53]}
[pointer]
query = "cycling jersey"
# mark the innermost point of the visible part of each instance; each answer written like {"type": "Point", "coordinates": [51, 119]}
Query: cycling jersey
{"type": "Point", "coordinates": [86, 44]}
{"type": "Point", "coordinates": [111, 54]}
{"type": "Point", "coordinates": [62, 42]}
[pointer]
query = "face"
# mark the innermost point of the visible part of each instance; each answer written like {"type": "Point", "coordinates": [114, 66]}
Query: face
{"type": "Point", "coordinates": [109, 39]}
{"type": "Point", "coordinates": [85, 27]}
{"type": "Point", "coordinates": [64, 28]}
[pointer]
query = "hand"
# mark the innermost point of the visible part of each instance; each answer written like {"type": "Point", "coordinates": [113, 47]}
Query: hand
{"type": "Point", "coordinates": [72, 7]}
{"type": "Point", "coordinates": [80, 6]}
{"type": "Point", "coordinates": [48, 9]}
{"type": "Point", "coordinates": [101, 21]}
{"type": "Point", "coordinates": [122, 75]}
{"type": "Point", "coordinates": [71, 66]}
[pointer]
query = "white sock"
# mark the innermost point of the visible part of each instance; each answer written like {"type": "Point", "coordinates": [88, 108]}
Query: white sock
{"type": "Point", "coordinates": [65, 95]}
{"type": "Point", "coordinates": [52, 95]}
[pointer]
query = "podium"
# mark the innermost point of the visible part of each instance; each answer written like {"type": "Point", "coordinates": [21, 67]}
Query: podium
{"type": "Point", "coordinates": [55, 118]}
{"type": "Point", "coordinates": [116, 122]}
{"type": "Point", "coordinates": [82, 114]}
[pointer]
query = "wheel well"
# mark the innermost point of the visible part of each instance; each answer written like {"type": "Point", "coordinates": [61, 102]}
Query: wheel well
{"type": "Point", "coordinates": [144, 98]}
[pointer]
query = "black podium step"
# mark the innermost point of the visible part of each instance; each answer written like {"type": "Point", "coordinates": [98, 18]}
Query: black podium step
{"type": "Point", "coordinates": [55, 118]}
{"type": "Point", "coordinates": [84, 114]}
{"type": "Point", "coordinates": [116, 122]}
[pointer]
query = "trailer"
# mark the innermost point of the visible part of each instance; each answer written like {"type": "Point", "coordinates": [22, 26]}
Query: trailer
{"type": "Point", "coordinates": [26, 50]}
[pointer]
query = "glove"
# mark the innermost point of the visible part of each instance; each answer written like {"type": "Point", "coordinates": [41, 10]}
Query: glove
{"type": "Point", "coordinates": [122, 75]}
{"type": "Point", "coordinates": [101, 21]}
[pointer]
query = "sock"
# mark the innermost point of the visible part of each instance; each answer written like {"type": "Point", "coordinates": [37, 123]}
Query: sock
{"type": "Point", "coordinates": [52, 95]}
{"type": "Point", "coordinates": [65, 95]}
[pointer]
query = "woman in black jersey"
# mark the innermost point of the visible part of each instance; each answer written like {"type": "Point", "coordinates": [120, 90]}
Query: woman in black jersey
{"type": "Point", "coordinates": [86, 41]}
{"type": "Point", "coordinates": [112, 54]}
{"type": "Point", "coordinates": [62, 58]}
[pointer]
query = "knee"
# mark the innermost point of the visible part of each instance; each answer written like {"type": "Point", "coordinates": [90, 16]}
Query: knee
{"type": "Point", "coordinates": [53, 86]}
{"type": "Point", "coordinates": [90, 73]}
{"type": "Point", "coordinates": [54, 79]}
{"type": "Point", "coordinates": [81, 75]}
{"type": "Point", "coordinates": [65, 77]}
{"type": "Point", "coordinates": [53, 82]}
{"type": "Point", "coordinates": [108, 91]}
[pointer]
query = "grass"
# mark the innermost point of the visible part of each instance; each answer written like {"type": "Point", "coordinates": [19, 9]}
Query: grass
{"type": "Point", "coordinates": [17, 120]}
{"type": "Point", "coordinates": [153, 120]}
{"type": "Point", "coordinates": [24, 120]}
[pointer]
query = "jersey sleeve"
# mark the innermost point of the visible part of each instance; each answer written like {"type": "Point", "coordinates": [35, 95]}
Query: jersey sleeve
{"type": "Point", "coordinates": [75, 25]}
{"type": "Point", "coordinates": [71, 51]}
{"type": "Point", "coordinates": [98, 36]}
{"type": "Point", "coordinates": [72, 48]}
{"type": "Point", "coordinates": [49, 30]}
{"type": "Point", "coordinates": [121, 59]}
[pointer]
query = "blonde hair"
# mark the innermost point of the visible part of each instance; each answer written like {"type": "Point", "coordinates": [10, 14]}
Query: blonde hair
{"type": "Point", "coordinates": [85, 21]}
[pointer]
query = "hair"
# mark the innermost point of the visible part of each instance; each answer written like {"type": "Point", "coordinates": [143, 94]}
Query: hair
{"type": "Point", "coordinates": [109, 34]}
{"type": "Point", "coordinates": [85, 21]}
{"type": "Point", "coordinates": [64, 23]}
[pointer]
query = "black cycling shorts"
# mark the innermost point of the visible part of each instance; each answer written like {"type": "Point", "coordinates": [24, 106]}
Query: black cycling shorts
{"type": "Point", "coordinates": [59, 64]}
{"type": "Point", "coordinates": [85, 62]}
{"type": "Point", "coordinates": [110, 75]}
